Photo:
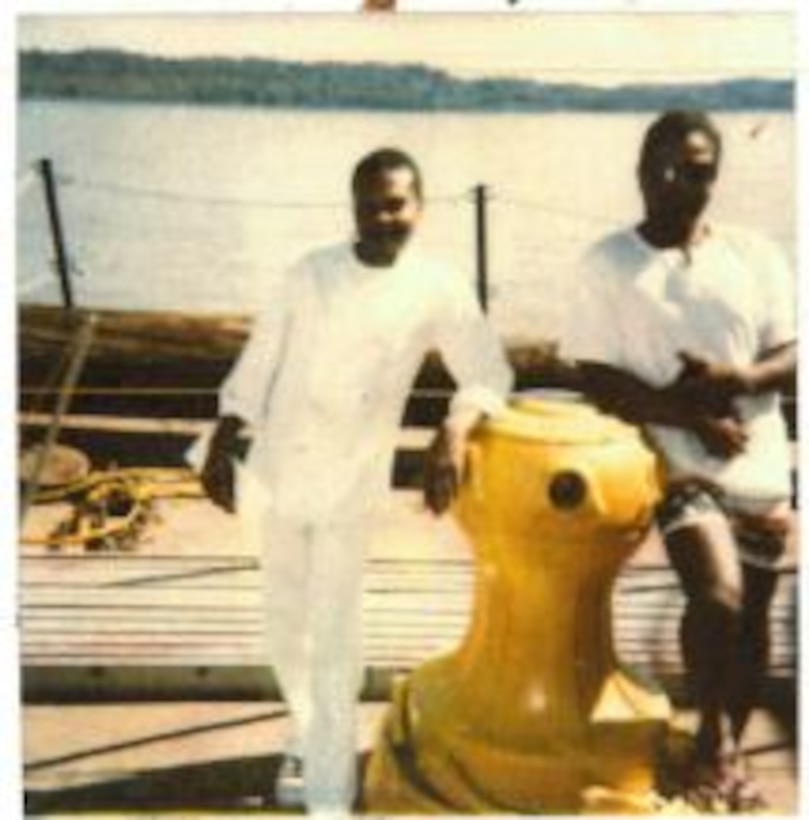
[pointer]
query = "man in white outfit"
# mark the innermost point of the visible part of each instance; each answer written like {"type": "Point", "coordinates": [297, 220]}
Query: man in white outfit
{"type": "Point", "coordinates": [688, 327]}
{"type": "Point", "coordinates": [322, 384]}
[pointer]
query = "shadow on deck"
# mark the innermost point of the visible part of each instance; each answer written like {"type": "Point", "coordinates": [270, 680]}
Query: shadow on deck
{"type": "Point", "coordinates": [197, 758]}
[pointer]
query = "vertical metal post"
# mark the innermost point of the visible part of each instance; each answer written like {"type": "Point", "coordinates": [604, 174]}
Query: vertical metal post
{"type": "Point", "coordinates": [52, 203]}
{"type": "Point", "coordinates": [481, 246]}
{"type": "Point", "coordinates": [78, 354]}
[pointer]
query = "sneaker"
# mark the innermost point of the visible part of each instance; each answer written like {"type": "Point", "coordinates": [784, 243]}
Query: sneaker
{"type": "Point", "coordinates": [289, 783]}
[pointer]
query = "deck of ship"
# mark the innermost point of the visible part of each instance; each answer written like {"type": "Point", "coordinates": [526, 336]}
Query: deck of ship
{"type": "Point", "coordinates": [218, 758]}
{"type": "Point", "coordinates": [143, 675]}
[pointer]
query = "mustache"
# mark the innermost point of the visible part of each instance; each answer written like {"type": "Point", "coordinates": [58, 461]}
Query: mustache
{"type": "Point", "coordinates": [382, 234]}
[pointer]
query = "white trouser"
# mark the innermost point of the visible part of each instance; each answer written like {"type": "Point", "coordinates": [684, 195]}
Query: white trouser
{"type": "Point", "coordinates": [312, 602]}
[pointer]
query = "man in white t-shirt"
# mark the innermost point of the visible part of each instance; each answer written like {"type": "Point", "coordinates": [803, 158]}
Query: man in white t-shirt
{"type": "Point", "coordinates": [688, 327]}
{"type": "Point", "coordinates": [322, 383]}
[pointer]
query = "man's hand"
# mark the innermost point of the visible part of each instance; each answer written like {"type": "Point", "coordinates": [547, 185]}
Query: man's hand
{"type": "Point", "coordinates": [709, 386]}
{"type": "Point", "coordinates": [708, 390]}
{"type": "Point", "coordinates": [218, 474]}
{"type": "Point", "coordinates": [218, 479]}
{"type": "Point", "coordinates": [721, 437]}
{"type": "Point", "coordinates": [444, 469]}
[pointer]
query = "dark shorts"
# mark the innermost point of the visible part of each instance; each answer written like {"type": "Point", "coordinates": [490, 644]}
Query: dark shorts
{"type": "Point", "coordinates": [760, 541]}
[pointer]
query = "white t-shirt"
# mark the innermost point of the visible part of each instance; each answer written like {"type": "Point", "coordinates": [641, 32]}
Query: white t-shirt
{"type": "Point", "coordinates": [326, 371]}
{"type": "Point", "coordinates": [729, 299]}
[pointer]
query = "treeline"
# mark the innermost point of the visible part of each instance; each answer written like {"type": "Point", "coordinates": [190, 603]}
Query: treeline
{"type": "Point", "coordinates": [119, 75]}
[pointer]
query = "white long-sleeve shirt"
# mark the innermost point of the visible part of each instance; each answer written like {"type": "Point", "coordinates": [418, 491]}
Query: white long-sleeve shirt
{"type": "Point", "coordinates": [325, 374]}
{"type": "Point", "coordinates": [730, 300]}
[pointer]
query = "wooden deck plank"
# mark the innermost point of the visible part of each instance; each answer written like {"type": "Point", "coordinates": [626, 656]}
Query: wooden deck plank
{"type": "Point", "coordinates": [208, 759]}
{"type": "Point", "coordinates": [407, 438]}
{"type": "Point", "coordinates": [189, 599]}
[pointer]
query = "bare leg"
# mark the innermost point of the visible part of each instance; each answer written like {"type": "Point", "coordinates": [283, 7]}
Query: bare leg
{"type": "Point", "coordinates": [753, 648]}
{"type": "Point", "coordinates": [725, 645]}
{"type": "Point", "coordinates": [705, 558]}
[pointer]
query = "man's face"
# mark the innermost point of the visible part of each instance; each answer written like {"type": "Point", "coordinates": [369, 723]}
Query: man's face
{"type": "Point", "coordinates": [387, 208]}
{"type": "Point", "coordinates": [679, 178]}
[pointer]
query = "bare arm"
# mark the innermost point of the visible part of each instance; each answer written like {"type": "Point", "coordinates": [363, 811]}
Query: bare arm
{"type": "Point", "coordinates": [625, 395]}
{"type": "Point", "coordinates": [776, 369]}
{"type": "Point", "coordinates": [714, 385]}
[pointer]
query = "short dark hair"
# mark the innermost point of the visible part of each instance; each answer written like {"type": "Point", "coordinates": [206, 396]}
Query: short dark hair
{"type": "Point", "coordinates": [385, 159]}
{"type": "Point", "coordinates": [675, 126]}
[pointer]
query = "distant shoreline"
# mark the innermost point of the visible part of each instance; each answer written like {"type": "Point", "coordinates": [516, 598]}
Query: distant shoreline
{"type": "Point", "coordinates": [123, 77]}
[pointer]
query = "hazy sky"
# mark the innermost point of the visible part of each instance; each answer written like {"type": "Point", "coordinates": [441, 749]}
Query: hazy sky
{"type": "Point", "coordinates": [604, 47]}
